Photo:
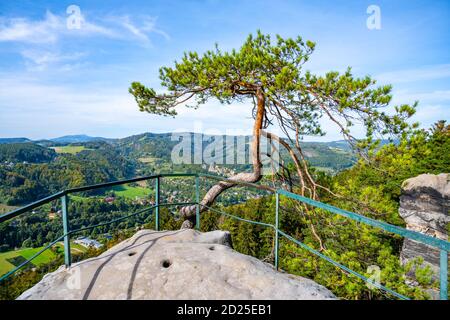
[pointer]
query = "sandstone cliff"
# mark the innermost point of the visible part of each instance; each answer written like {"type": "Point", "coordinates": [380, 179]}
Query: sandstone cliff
{"type": "Point", "coordinates": [184, 264]}
{"type": "Point", "coordinates": [424, 205]}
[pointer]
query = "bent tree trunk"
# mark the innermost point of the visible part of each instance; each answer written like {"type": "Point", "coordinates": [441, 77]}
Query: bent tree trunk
{"type": "Point", "coordinates": [188, 212]}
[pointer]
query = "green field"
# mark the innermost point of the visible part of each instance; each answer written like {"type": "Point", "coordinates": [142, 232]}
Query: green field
{"type": "Point", "coordinates": [6, 257]}
{"type": "Point", "coordinates": [69, 149]}
{"type": "Point", "coordinates": [150, 160]}
{"type": "Point", "coordinates": [131, 192]}
{"type": "Point", "coordinates": [9, 260]}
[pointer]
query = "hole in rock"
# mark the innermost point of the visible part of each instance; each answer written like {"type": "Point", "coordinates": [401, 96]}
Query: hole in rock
{"type": "Point", "coordinates": [212, 248]}
{"type": "Point", "coordinates": [166, 263]}
{"type": "Point", "coordinates": [131, 254]}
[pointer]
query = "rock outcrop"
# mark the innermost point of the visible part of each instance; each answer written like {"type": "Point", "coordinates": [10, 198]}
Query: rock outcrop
{"type": "Point", "coordinates": [424, 205]}
{"type": "Point", "coordinates": [184, 264]}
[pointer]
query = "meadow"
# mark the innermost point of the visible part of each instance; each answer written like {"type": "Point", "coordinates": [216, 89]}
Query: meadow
{"type": "Point", "coordinates": [11, 259]}
{"type": "Point", "coordinates": [69, 149]}
{"type": "Point", "coordinates": [132, 192]}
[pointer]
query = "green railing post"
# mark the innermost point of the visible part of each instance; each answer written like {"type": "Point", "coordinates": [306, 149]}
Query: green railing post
{"type": "Point", "coordinates": [157, 195]}
{"type": "Point", "coordinates": [443, 275]}
{"type": "Point", "coordinates": [277, 206]}
{"type": "Point", "coordinates": [197, 200]}
{"type": "Point", "coordinates": [66, 230]}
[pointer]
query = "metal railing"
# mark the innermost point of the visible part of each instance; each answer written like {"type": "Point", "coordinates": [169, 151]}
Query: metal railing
{"type": "Point", "coordinates": [442, 245]}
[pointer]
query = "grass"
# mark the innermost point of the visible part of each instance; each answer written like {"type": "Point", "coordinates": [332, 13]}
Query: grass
{"type": "Point", "coordinates": [131, 192]}
{"type": "Point", "coordinates": [10, 259]}
{"type": "Point", "coordinates": [27, 253]}
{"type": "Point", "coordinates": [69, 149]}
{"type": "Point", "coordinates": [5, 208]}
{"type": "Point", "coordinates": [150, 160]}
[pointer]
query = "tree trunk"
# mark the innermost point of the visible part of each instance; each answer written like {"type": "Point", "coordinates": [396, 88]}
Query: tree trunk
{"type": "Point", "coordinates": [188, 212]}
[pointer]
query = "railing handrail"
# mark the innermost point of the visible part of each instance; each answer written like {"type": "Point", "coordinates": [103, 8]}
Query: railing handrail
{"type": "Point", "coordinates": [411, 234]}
{"type": "Point", "coordinates": [34, 205]}
{"type": "Point", "coordinates": [443, 245]}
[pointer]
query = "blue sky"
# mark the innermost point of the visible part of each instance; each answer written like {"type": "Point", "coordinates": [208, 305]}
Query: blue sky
{"type": "Point", "coordinates": [56, 81]}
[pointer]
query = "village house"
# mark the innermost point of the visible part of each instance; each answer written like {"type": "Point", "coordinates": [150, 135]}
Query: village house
{"type": "Point", "coordinates": [87, 242]}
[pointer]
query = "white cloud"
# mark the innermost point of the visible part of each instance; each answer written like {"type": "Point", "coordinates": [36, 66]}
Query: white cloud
{"type": "Point", "coordinates": [419, 74]}
{"type": "Point", "coordinates": [42, 37]}
{"type": "Point", "coordinates": [48, 30]}
{"type": "Point", "coordinates": [429, 114]}
{"type": "Point", "coordinates": [39, 60]}
{"type": "Point", "coordinates": [428, 97]}
{"type": "Point", "coordinates": [141, 32]}
{"type": "Point", "coordinates": [433, 105]}
{"type": "Point", "coordinates": [53, 27]}
{"type": "Point", "coordinates": [21, 29]}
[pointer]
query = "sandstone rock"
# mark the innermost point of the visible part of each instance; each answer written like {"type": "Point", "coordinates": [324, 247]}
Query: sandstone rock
{"type": "Point", "coordinates": [183, 264]}
{"type": "Point", "coordinates": [424, 205]}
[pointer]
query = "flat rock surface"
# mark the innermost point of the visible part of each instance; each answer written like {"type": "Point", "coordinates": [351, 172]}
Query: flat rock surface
{"type": "Point", "coordinates": [184, 264]}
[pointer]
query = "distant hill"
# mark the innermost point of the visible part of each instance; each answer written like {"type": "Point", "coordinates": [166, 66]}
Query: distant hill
{"type": "Point", "coordinates": [149, 147]}
{"type": "Point", "coordinates": [25, 152]}
{"type": "Point", "coordinates": [156, 148]}
{"type": "Point", "coordinates": [14, 140]}
{"type": "Point", "coordinates": [80, 138]}
{"type": "Point", "coordinates": [340, 144]}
